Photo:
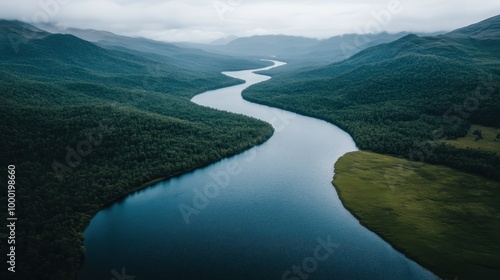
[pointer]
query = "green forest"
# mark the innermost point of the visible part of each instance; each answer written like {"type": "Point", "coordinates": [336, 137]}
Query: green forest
{"type": "Point", "coordinates": [403, 98]}
{"type": "Point", "coordinates": [85, 125]}
{"type": "Point", "coordinates": [415, 107]}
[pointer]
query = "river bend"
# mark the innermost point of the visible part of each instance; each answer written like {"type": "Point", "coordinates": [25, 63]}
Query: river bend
{"type": "Point", "coordinates": [268, 213]}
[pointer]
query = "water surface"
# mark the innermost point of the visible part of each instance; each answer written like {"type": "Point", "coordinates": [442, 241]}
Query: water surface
{"type": "Point", "coordinates": [264, 214]}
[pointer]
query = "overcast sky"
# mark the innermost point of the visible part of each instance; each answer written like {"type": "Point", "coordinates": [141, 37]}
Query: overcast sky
{"type": "Point", "coordinates": [207, 20]}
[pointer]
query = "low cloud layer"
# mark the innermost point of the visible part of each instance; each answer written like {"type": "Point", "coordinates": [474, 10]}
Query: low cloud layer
{"type": "Point", "coordinates": [207, 20]}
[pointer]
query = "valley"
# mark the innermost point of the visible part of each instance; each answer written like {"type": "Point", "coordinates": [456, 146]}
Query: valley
{"type": "Point", "coordinates": [82, 123]}
{"type": "Point", "coordinates": [412, 104]}
{"type": "Point", "coordinates": [175, 160]}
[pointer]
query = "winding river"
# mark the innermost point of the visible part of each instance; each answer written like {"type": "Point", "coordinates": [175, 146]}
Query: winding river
{"type": "Point", "coordinates": [268, 213]}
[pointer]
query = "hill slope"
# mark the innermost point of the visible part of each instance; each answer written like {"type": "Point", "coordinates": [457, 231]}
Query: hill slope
{"type": "Point", "coordinates": [84, 125]}
{"type": "Point", "coordinates": [404, 99]}
{"type": "Point", "coordinates": [174, 55]}
{"type": "Point", "coordinates": [486, 29]}
{"type": "Point", "coordinates": [398, 98]}
{"type": "Point", "coordinates": [300, 50]}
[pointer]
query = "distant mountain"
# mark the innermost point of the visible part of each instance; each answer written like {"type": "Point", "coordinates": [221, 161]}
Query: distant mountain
{"type": "Point", "coordinates": [486, 29]}
{"type": "Point", "coordinates": [174, 54]}
{"type": "Point", "coordinates": [90, 35]}
{"type": "Point", "coordinates": [464, 50]}
{"type": "Point", "coordinates": [341, 47]}
{"type": "Point", "coordinates": [11, 29]}
{"type": "Point", "coordinates": [300, 50]}
{"type": "Point", "coordinates": [402, 99]}
{"type": "Point", "coordinates": [88, 124]}
{"type": "Point", "coordinates": [15, 33]}
{"type": "Point", "coordinates": [270, 45]}
{"type": "Point", "coordinates": [223, 41]}
{"type": "Point", "coordinates": [264, 46]}
{"type": "Point", "coordinates": [391, 96]}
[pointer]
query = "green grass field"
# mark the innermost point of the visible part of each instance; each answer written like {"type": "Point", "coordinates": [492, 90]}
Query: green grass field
{"type": "Point", "coordinates": [489, 143]}
{"type": "Point", "coordinates": [446, 220]}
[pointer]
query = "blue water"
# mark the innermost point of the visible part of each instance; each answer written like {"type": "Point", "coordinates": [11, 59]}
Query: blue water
{"type": "Point", "coordinates": [251, 216]}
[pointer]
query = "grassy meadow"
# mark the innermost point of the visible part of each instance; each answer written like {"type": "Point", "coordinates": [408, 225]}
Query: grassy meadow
{"type": "Point", "coordinates": [489, 143]}
{"type": "Point", "coordinates": [444, 219]}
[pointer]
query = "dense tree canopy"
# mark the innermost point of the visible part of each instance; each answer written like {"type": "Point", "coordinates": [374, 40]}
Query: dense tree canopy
{"type": "Point", "coordinates": [402, 98]}
{"type": "Point", "coordinates": [85, 125]}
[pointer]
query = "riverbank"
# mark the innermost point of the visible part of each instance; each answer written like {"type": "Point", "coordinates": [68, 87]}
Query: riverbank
{"type": "Point", "coordinates": [444, 219]}
{"type": "Point", "coordinates": [258, 139]}
{"type": "Point", "coordinates": [237, 208]}
{"type": "Point", "coordinates": [160, 179]}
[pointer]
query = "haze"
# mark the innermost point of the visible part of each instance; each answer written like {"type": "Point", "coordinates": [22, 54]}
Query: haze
{"type": "Point", "coordinates": [208, 20]}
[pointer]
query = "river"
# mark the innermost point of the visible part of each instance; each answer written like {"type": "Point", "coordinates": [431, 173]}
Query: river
{"type": "Point", "coordinates": [268, 213]}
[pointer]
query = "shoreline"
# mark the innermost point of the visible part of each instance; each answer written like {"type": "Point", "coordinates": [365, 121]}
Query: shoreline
{"type": "Point", "coordinates": [339, 192]}
{"type": "Point", "coordinates": [418, 221]}
{"type": "Point", "coordinates": [401, 250]}
{"type": "Point", "coordinates": [151, 183]}
{"type": "Point", "coordinates": [177, 174]}
{"type": "Point", "coordinates": [154, 181]}
{"type": "Point", "coordinates": [180, 173]}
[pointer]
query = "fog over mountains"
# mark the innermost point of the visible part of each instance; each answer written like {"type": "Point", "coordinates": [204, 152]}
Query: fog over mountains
{"type": "Point", "coordinates": [285, 47]}
{"type": "Point", "coordinates": [388, 90]}
{"type": "Point", "coordinates": [206, 21]}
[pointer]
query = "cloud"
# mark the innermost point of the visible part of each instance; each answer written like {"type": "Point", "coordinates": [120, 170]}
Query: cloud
{"type": "Point", "coordinates": [205, 20]}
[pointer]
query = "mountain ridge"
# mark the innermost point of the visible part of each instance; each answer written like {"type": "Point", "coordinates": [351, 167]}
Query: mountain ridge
{"type": "Point", "coordinates": [133, 113]}
{"type": "Point", "coordinates": [410, 99]}
{"type": "Point", "coordinates": [374, 75]}
{"type": "Point", "coordinates": [486, 29]}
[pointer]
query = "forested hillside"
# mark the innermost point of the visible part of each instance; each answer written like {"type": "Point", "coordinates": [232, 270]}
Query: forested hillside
{"type": "Point", "coordinates": [301, 51]}
{"type": "Point", "coordinates": [84, 125]}
{"type": "Point", "coordinates": [403, 97]}
{"type": "Point", "coordinates": [188, 58]}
